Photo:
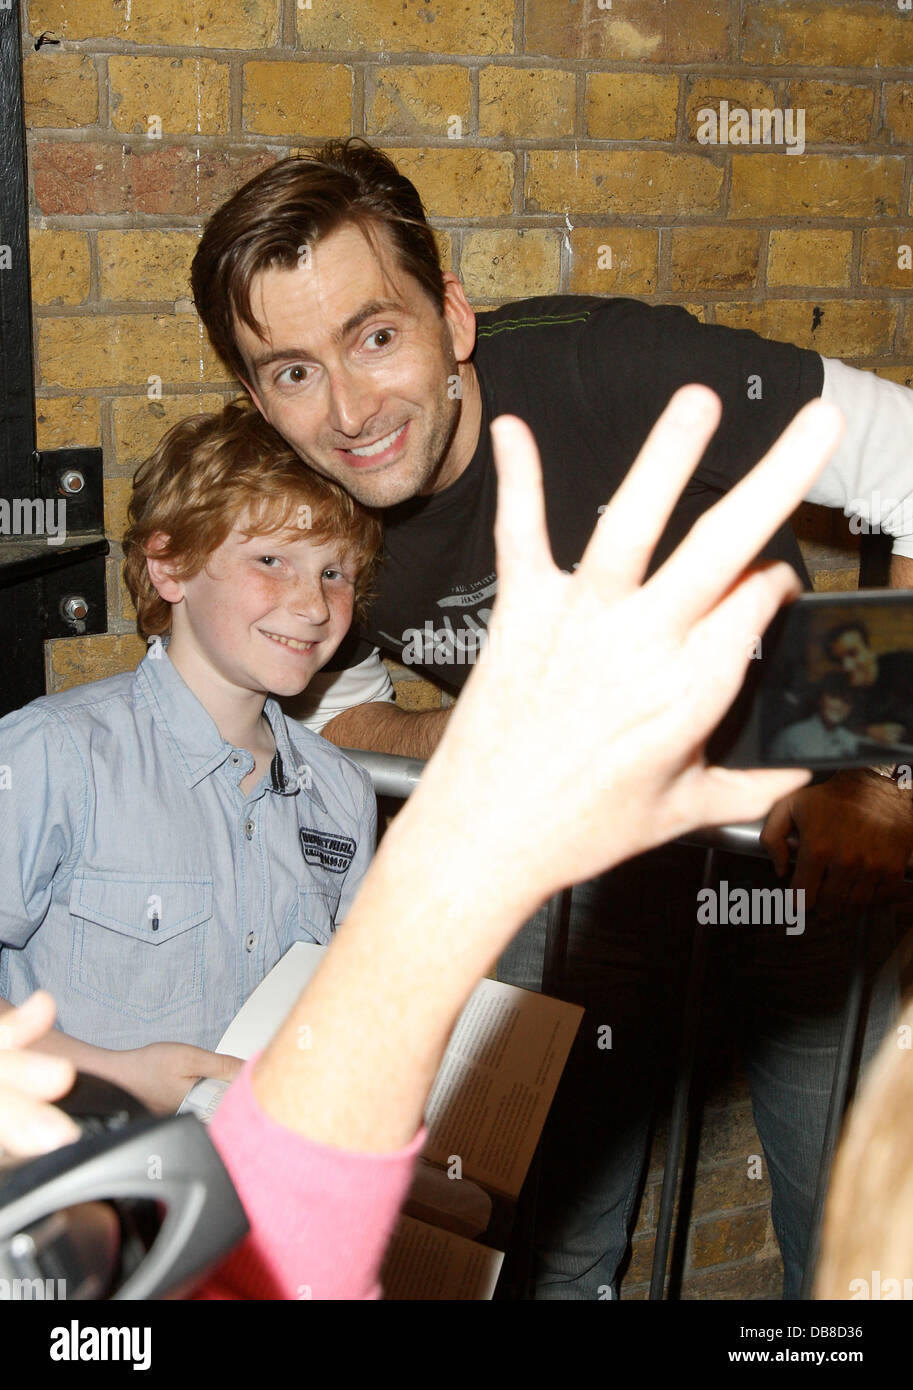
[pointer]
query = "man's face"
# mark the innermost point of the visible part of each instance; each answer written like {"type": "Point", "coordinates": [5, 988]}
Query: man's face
{"type": "Point", "coordinates": [265, 613]}
{"type": "Point", "coordinates": [359, 372]}
{"type": "Point", "coordinates": [851, 651]}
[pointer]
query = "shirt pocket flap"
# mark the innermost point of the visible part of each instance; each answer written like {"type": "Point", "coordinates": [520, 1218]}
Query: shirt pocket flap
{"type": "Point", "coordinates": [153, 910]}
{"type": "Point", "coordinates": [317, 909]}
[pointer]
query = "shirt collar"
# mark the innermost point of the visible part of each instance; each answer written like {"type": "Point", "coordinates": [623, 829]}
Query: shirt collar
{"type": "Point", "coordinates": [199, 746]}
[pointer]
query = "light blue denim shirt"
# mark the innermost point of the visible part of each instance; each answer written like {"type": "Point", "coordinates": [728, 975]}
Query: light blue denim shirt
{"type": "Point", "coordinates": [140, 885]}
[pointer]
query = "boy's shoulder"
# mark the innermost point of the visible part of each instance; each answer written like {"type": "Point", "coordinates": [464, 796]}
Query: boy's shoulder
{"type": "Point", "coordinates": [66, 706]}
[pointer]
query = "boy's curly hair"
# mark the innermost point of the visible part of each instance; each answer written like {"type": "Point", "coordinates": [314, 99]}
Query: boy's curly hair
{"type": "Point", "coordinates": [211, 471]}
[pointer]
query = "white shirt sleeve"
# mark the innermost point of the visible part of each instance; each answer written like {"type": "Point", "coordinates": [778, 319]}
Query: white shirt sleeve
{"type": "Point", "coordinates": [870, 476]}
{"type": "Point", "coordinates": [332, 692]}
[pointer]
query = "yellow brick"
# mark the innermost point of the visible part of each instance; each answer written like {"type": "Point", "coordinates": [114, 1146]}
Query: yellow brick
{"type": "Point", "coordinates": [906, 337]}
{"type": "Point", "coordinates": [304, 99]}
{"type": "Point", "coordinates": [397, 670]}
{"type": "Point", "coordinates": [139, 423]}
{"type": "Point", "coordinates": [698, 310]}
{"type": "Point", "coordinates": [418, 100]}
{"type": "Point", "coordinates": [613, 260]}
{"type": "Point", "coordinates": [505, 263]}
{"type": "Point", "coordinates": [835, 112]}
{"type": "Point", "coordinates": [68, 422]}
{"type": "Point", "coordinates": [737, 91]}
{"type": "Point", "coordinates": [417, 695]}
{"type": "Point", "coordinates": [77, 660]}
{"type": "Point", "coordinates": [526, 103]}
{"type": "Point", "coordinates": [641, 1264]}
{"type": "Point", "coordinates": [194, 23]}
{"type": "Point", "coordinates": [60, 266]}
{"type": "Point", "coordinates": [399, 26]}
{"type": "Point", "coordinates": [459, 182]}
{"type": "Point", "coordinates": [59, 89]}
{"type": "Point", "coordinates": [841, 580]}
{"type": "Point", "coordinates": [686, 31]}
{"type": "Point", "coordinates": [186, 96]}
{"type": "Point", "coordinates": [803, 256]}
{"type": "Point", "coordinates": [118, 492]}
{"type": "Point", "coordinates": [125, 350]}
{"type": "Point", "coordinates": [631, 106]}
{"type": "Point", "coordinates": [898, 114]}
{"type": "Point", "coordinates": [728, 1238]}
{"type": "Point", "coordinates": [833, 327]}
{"type": "Point", "coordinates": [887, 257]}
{"type": "Point", "coordinates": [815, 185]}
{"type": "Point", "coordinates": [445, 247]}
{"type": "Point", "coordinates": [647, 182]}
{"type": "Point", "coordinates": [146, 264]}
{"type": "Point", "coordinates": [821, 34]}
{"type": "Point", "coordinates": [718, 258]}
{"type": "Point", "coordinates": [116, 585]}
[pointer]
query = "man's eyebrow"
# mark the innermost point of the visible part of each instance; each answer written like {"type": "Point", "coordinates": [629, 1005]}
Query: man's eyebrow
{"type": "Point", "coordinates": [367, 311]}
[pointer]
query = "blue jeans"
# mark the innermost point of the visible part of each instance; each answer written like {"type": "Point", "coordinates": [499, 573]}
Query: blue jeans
{"type": "Point", "coordinates": [627, 963]}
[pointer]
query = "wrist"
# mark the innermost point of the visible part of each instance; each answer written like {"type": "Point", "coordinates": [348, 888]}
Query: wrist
{"type": "Point", "coordinates": [455, 858]}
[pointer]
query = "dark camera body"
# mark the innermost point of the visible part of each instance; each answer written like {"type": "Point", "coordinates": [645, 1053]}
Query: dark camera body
{"type": "Point", "coordinates": [138, 1208]}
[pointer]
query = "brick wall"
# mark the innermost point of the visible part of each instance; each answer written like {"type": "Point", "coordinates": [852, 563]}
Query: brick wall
{"type": "Point", "coordinates": [538, 134]}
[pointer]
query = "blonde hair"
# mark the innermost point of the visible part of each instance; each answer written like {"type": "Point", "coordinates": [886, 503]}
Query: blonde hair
{"type": "Point", "coordinates": [209, 472]}
{"type": "Point", "coordinates": [868, 1224]}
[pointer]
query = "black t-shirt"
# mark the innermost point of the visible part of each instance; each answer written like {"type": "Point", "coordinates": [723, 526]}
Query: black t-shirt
{"type": "Point", "coordinates": [890, 699]}
{"type": "Point", "coordinates": [590, 376]}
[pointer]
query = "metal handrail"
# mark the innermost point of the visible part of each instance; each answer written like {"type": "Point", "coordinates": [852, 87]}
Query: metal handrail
{"type": "Point", "coordinates": [398, 777]}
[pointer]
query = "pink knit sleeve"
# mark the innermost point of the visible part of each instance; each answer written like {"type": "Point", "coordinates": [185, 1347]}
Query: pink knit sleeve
{"type": "Point", "coordinates": [320, 1218]}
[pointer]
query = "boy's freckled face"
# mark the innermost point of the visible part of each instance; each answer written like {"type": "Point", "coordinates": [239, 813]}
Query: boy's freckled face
{"type": "Point", "coordinates": [265, 613]}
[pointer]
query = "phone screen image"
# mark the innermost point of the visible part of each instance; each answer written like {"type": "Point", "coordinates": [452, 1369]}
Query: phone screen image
{"type": "Point", "coordinates": [831, 686]}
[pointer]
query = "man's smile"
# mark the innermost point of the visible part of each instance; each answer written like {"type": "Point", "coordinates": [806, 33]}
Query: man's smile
{"type": "Point", "coordinates": [381, 449]}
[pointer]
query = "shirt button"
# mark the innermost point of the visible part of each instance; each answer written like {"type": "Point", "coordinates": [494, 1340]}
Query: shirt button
{"type": "Point", "coordinates": [250, 941]}
{"type": "Point", "coordinates": [249, 829]}
{"type": "Point", "coordinates": [235, 759]}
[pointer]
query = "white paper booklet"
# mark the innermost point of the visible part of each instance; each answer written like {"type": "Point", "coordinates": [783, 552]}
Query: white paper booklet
{"type": "Point", "coordinates": [485, 1114]}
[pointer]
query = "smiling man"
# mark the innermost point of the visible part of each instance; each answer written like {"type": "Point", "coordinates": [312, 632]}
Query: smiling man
{"type": "Point", "coordinates": [369, 397]}
{"type": "Point", "coordinates": [321, 287]}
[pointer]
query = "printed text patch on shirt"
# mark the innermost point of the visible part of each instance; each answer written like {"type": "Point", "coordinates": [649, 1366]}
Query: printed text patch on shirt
{"type": "Point", "coordinates": [333, 852]}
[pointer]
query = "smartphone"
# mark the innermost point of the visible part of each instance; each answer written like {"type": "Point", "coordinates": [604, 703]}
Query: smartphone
{"type": "Point", "coordinates": [829, 685]}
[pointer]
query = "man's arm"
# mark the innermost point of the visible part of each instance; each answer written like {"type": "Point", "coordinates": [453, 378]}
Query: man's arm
{"type": "Point", "coordinates": [901, 572]}
{"type": "Point", "coordinates": [355, 708]}
{"type": "Point", "coordinates": [870, 476]}
{"type": "Point", "coordinates": [383, 728]}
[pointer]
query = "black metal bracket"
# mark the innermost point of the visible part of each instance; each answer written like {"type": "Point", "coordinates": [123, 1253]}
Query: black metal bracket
{"type": "Point", "coordinates": [52, 543]}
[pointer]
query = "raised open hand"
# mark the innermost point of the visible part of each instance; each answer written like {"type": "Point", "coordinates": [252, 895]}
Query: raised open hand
{"type": "Point", "coordinates": [579, 738]}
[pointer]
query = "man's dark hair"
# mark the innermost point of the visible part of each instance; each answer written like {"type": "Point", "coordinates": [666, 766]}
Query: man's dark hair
{"type": "Point", "coordinates": [267, 224]}
{"type": "Point", "coordinates": [841, 629]}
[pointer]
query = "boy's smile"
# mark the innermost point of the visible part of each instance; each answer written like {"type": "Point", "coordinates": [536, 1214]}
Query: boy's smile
{"type": "Point", "coordinates": [264, 614]}
{"type": "Point", "coordinates": [361, 374]}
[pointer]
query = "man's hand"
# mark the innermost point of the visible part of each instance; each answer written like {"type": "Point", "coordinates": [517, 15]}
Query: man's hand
{"type": "Point", "coordinates": [855, 838]}
{"type": "Point", "coordinates": [28, 1080]}
{"type": "Point", "coordinates": [161, 1074]}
